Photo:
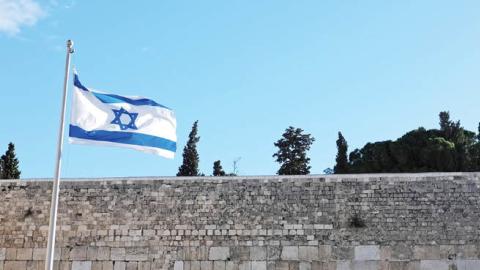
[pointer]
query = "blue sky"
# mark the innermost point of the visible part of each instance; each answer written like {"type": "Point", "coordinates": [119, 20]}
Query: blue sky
{"type": "Point", "coordinates": [245, 69]}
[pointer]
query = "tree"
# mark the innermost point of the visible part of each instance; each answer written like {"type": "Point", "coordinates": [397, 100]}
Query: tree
{"type": "Point", "coordinates": [292, 152]}
{"type": "Point", "coordinates": [342, 165]}
{"type": "Point", "coordinates": [450, 148]}
{"type": "Point", "coordinates": [9, 164]}
{"type": "Point", "coordinates": [190, 155]}
{"type": "Point", "coordinates": [217, 169]}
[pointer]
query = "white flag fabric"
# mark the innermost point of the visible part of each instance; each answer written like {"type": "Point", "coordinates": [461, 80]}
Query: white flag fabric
{"type": "Point", "coordinates": [112, 120]}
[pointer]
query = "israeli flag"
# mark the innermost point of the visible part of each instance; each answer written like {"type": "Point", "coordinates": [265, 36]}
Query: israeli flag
{"type": "Point", "coordinates": [112, 120]}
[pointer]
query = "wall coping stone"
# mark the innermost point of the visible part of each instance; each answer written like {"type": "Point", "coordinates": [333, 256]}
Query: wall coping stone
{"type": "Point", "coordinates": [391, 177]}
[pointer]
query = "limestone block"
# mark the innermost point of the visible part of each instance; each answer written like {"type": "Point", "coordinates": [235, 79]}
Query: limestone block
{"type": "Point", "coordinates": [471, 264]}
{"type": "Point", "coordinates": [132, 266]}
{"type": "Point", "coordinates": [63, 265]}
{"type": "Point", "coordinates": [324, 252]}
{"type": "Point", "coordinates": [316, 265]}
{"type": "Point", "coordinates": [231, 265]}
{"type": "Point", "coordinates": [399, 265]}
{"type": "Point", "coordinates": [426, 252]}
{"type": "Point", "coordinates": [136, 254]}
{"type": "Point", "coordinates": [219, 253]}
{"type": "Point", "coordinates": [39, 254]}
{"type": "Point", "coordinates": [345, 265]}
{"type": "Point", "coordinates": [281, 265]}
{"type": "Point", "coordinates": [434, 265]}
{"type": "Point", "coordinates": [258, 253]}
{"type": "Point", "coordinates": [206, 265]}
{"type": "Point", "coordinates": [146, 266]}
{"type": "Point", "coordinates": [3, 252]}
{"type": "Point", "coordinates": [342, 253]}
{"type": "Point", "coordinates": [96, 265]}
{"type": "Point", "coordinates": [468, 251]}
{"type": "Point", "coordinates": [219, 265]}
{"type": "Point", "coordinates": [240, 253]}
{"type": "Point", "coordinates": [245, 265]}
{"type": "Point", "coordinates": [365, 265]}
{"type": "Point", "coordinates": [24, 254]}
{"type": "Point", "coordinates": [119, 265]}
{"type": "Point", "coordinates": [308, 253]}
{"type": "Point", "coordinates": [11, 254]}
{"type": "Point", "coordinates": [14, 265]}
{"type": "Point", "coordinates": [81, 265]}
{"type": "Point", "coordinates": [289, 253]}
{"type": "Point", "coordinates": [117, 254]}
{"type": "Point", "coordinates": [31, 265]}
{"type": "Point", "coordinates": [401, 251]}
{"type": "Point", "coordinates": [293, 265]}
{"type": "Point", "coordinates": [259, 265]}
{"type": "Point", "coordinates": [178, 265]}
{"type": "Point", "coordinates": [78, 254]}
{"type": "Point", "coordinates": [103, 253]}
{"type": "Point", "coordinates": [273, 252]}
{"type": "Point", "coordinates": [195, 265]}
{"type": "Point", "coordinates": [305, 266]}
{"type": "Point", "coordinates": [107, 265]}
{"type": "Point", "coordinates": [367, 253]}
{"type": "Point", "coordinates": [92, 253]}
{"type": "Point", "coordinates": [270, 265]}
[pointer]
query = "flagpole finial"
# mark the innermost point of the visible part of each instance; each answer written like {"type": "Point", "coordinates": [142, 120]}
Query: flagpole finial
{"type": "Point", "coordinates": [70, 46]}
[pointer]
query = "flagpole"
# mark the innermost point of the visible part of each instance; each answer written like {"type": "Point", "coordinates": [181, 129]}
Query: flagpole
{"type": "Point", "coordinates": [56, 183]}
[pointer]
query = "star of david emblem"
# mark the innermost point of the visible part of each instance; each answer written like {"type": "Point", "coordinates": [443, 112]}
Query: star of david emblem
{"type": "Point", "coordinates": [118, 119]}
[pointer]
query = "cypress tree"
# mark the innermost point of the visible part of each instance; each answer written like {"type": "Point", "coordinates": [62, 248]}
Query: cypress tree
{"type": "Point", "coordinates": [10, 164]}
{"type": "Point", "coordinates": [292, 152]}
{"type": "Point", "coordinates": [342, 165]}
{"type": "Point", "coordinates": [217, 169]}
{"type": "Point", "coordinates": [190, 154]}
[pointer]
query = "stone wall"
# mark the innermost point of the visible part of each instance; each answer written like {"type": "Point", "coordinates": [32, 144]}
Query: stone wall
{"type": "Point", "coordinates": [383, 222]}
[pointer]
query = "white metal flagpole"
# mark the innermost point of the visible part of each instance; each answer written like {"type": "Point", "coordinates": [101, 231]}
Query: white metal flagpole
{"type": "Point", "coordinates": [56, 183]}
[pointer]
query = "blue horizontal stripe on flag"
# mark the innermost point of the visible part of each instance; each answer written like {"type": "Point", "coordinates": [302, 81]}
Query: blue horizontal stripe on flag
{"type": "Point", "coordinates": [123, 137]}
{"type": "Point", "coordinates": [112, 98]}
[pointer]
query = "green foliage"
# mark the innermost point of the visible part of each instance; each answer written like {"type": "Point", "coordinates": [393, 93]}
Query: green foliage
{"type": "Point", "coordinates": [217, 169]}
{"type": "Point", "coordinates": [9, 164]}
{"type": "Point", "coordinates": [450, 148]}
{"type": "Point", "coordinates": [292, 152]}
{"type": "Point", "coordinates": [190, 155]}
{"type": "Point", "coordinates": [342, 160]}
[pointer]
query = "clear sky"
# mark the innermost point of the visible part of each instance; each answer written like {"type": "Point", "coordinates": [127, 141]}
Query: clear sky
{"type": "Point", "coordinates": [245, 69]}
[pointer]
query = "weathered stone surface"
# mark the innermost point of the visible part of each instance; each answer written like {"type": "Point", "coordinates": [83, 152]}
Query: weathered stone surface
{"type": "Point", "coordinates": [231, 265]}
{"type": "Point", "coordinates": [434, 265]}
{"type": "Point", "coordinates": [367, 253]}
{"type": "Point", "coordinates": [365, 265]}
{"type": "Point", "coordinates": [258, 253]}
{"type": "Point", "coordinates": [289, 253]}
{"type": "Point", "coordinates": [117, 254]}
{"type": "Point", "coordinates": [345, 265]}
{"type": "Point", "coordinates": [308, 253]}
{"type": "Point", "coordinates": [15, 265]}
{"type": "Point", "coordinates": [24, 254]}
{"type": "Point", "coordinates": [219, 265]}
{"type": "Point", "coordinates": [78, 254]}
{"type": "Point", "coordinates": [119, 265]}
{"type": "Point", "coordinates": [343, 252]}
{"type": "Point", "coordinates": [259, 265]}
{"type": "Point", "coordinates": [305, 266]}
{"type": "Point", "coordinates": [288, 222]}
{"type": "Point", "coordinates": [219, 253]}
{"type": "Point", "coordinates": [206, 265]}
{"type": "Point", "coordinates": [240, 253]}
{"type": "Point", "coordinates": [178, 265]}
{"type": "Point", "coordinates": [81, 265]}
